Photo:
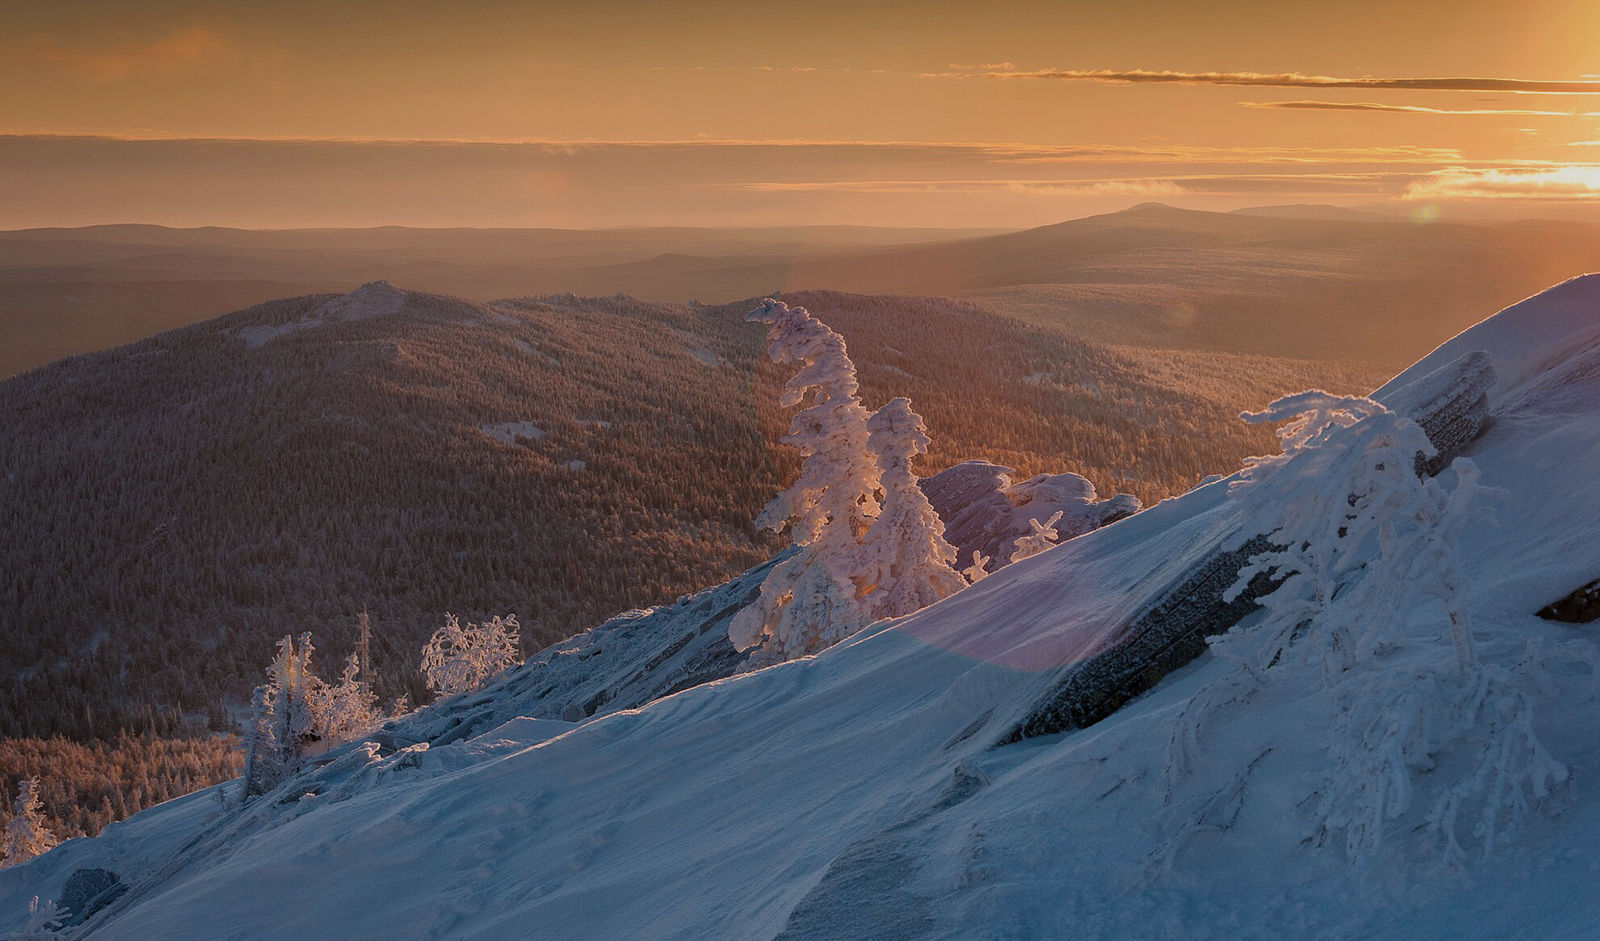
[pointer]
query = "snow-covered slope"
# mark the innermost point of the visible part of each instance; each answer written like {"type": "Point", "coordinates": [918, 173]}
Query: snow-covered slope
{"type": "Point", "coordinates": [858, 793]}
{"type": "Point", "coordinates": [635, 658]}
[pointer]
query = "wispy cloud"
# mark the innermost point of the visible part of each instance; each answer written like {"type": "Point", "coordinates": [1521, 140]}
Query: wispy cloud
{"type": "Point", "coordinates": [167, 54]}
{"type": "Point", "coordinates": [1568, 182]}
{"type": "Point", "coordinates": [994, 151]}
{"type": "Point", "coordinates": [751, 68]}
{"type": "Point", "coordinates": [1211, 184]}
{"type": "Point", "coordinates": [1406, 109]}
{"type": "Point", "coordinates": [1282, 80]}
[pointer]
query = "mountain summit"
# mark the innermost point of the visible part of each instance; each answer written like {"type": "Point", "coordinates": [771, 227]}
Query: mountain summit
{"type": "Point", "coordinates": [866, 792]}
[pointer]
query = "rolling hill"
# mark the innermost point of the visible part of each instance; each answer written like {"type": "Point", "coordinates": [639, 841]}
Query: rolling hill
{"type": "Point", "coordinates": [1335, 768]}
{"type": "Point", "coordinates": [175, 505]}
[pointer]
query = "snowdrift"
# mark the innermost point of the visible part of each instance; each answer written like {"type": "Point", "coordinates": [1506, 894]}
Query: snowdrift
{"type": "Point", "coordinates": [861, 792]}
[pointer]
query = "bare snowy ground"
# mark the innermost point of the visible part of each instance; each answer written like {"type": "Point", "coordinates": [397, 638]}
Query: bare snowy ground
{"type": "Point", "coordinates": [856, 793]}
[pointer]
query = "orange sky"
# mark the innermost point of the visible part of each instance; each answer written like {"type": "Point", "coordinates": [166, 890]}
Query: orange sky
{"type": "Point", "coordinates": [760, 113]}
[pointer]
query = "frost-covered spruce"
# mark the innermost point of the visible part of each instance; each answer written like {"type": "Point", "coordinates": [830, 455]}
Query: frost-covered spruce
{"type": "Point", "coordinates": [1370, 618]}
{"type": "Point", "coordinates": [1343, 496]}
{"type": "Point", "coordinates": [285, 716]}
{"type": "Point", "coordinates": [808, 602]}
{"type": "Point", "coordinates": [262, 769]}
{"type": "Point", "coordinates": [349, 708]}
{"type": "Point", "coordinates": [904, 563]}
{"type": "Point", "coordinates": [26, 835]}
{"type": "Point", "coordinates": [45, 921]}
{"type": "Point", "coordinates": [460, 659]}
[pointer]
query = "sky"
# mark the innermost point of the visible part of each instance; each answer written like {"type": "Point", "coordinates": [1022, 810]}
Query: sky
{"type": "Point", "coordinates": [494, 113]}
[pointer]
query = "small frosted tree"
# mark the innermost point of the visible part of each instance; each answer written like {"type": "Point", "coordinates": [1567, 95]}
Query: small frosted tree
{"type": "Point", "coordinates": [460, 659]}
{"type": "Point", "coordinates": [285, 716]}
{"type": "Point", "coordinates": [45, 921]}
{"type": "Point", "coordinates": [904, 563]}
{"type": "Point", "coordinates": [1044, 536]}
{"type": "Point", "coordinates": [349, 708]}
{"type": "Point", "coordinates": [808, 600]}
{"type": "Point", "coordinates": [262, 757]}
{"type": "Point", "coordinates": [1343, 496]}
{"type": "Point", "coordinates": [26, 835]}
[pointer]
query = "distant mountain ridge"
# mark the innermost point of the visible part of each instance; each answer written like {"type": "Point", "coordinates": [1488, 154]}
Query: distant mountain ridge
{"type": "Point", "coordinates": [1302, 282]}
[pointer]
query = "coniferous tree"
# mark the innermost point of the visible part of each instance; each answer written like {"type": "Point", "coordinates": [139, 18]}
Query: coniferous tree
{"type": "Point", "coordinates": [45, 921]}
{"type": "Point", "coordinates": [349, 708]}
{"type": "Point", "coordinates": [808, 601]}
{"type": "Point", "coordinates": [262, 754]}
{"type": "Point", "coordinates": [904, 563]}
{"type": "Point", "coordinates": [26, 835]}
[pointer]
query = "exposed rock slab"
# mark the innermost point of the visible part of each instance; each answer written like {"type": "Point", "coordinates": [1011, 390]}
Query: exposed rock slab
{"type": "Point", "coordinates": [1580, 607]}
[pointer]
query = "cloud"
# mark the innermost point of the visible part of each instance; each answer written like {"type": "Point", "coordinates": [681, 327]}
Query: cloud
{"type": "Point", "coordinates": [1568, 182]}
{"type": "Point", "coordinates": [1404, 109]}
{"type": "Point", "coordinates": [991, 151]}
{"type": "Point", "coordinates": [1283, 80]}
{"type": "Point", "coordinates": [175, 51]}
{"type": "Point", "coordinates": [1208, 184]}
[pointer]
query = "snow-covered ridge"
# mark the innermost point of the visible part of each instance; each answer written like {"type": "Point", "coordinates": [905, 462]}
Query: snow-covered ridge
{"type": "Point", "coordinates": [633, 659]}
{"type": "Point", "coordinates": [375, 299]}
{"type": "Point", "coordinates": [857, 793]}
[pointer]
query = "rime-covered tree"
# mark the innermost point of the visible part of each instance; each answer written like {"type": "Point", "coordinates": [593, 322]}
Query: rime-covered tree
{"type": "Point", "coordinates": [1367, 554]}
{"type": "Point", "coordinates": [808, 601]}
{"type": "Point", "coordinates": [349, 708]}
{"type": "Point", "coordinates": [285, 717]}
{"type": "Point", "coordinates": [26, 835]}
{"type": "Point", "coordinates": [1044, 536]}
{"type": "Point", "coordinates": [45, 921]}
{"type": "Point", "coordinates": [460, 659]}
{"type": "Point", "coordinates": [903, 563]}
{"type": "Point", "coordinates": [262, 757]}
{"type": "Point", "coordinates": [1343, 496]}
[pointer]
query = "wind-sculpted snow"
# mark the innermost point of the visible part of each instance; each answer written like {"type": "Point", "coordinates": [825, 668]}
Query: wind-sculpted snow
{"type": "Point", "coordinates": [858, 792]}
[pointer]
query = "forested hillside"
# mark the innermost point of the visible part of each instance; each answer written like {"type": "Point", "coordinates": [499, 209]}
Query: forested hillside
{"type": "Point", "coordinates": [195, 496]}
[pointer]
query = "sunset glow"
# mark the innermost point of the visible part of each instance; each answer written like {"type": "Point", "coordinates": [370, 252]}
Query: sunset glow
{"type": "Point", "coordinates": [952, 113]}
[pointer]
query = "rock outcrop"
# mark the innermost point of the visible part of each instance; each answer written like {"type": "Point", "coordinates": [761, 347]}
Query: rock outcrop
{"type": "Point", "coordinates": [1580, 607]}
{"type": "Point", "coordinates": [983, 511]}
